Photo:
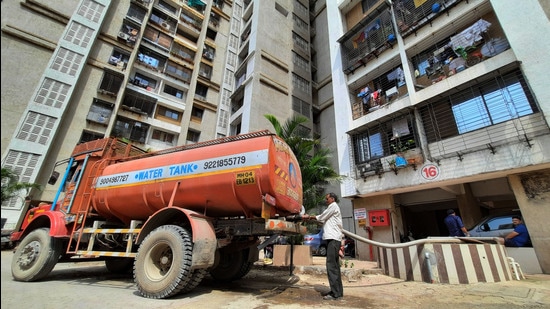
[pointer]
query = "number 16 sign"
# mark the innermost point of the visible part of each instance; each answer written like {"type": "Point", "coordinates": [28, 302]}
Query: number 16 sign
{"type": "Point", "coordinates": [430, 171]}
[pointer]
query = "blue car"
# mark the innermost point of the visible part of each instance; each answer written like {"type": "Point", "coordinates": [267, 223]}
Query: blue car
{"type": "Point", "coordinates": [316, 243]}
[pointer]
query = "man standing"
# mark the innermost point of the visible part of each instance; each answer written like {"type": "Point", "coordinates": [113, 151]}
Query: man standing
{"type": "Point", "coordinates": [519, 237]}
{"type": "Point", "coordinates": [332, 233]}
{"type": "Point", "coordinates": [454, 224]}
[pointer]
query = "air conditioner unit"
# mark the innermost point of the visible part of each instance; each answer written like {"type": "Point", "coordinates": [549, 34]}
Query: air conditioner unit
{"type": "Point", "coordinates": [165, 26]}
{"type": "Point", "coordinates": [123, 35]}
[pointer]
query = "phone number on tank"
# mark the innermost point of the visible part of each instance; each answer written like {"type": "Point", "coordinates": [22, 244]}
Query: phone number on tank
{"type": "Point", "coordinates": [114, 179]}
{"type": "Point", "coordinates": [224, 162]}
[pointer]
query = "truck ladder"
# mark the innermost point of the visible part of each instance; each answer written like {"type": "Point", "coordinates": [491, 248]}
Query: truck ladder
{"type": "Point", "coordinates": [130, 234]}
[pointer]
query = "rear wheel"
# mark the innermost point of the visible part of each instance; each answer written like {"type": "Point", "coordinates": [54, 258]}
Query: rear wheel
{"type": "Point", "coordinates": [36, 256]}
{"type": "Point", "coordinates": [163, 262]}
{"type": "Point", "coordinates": [233, 265]}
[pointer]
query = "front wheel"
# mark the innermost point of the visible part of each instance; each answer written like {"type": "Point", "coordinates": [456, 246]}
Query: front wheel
{"type": "Point", "coordinates": [163, 263]}
{"type": "Point", "coordinates": [36, 256]}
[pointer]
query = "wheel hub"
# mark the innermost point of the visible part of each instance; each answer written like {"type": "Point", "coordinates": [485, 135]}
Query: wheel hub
{"type": "Point", "coordinates": [29, 254]}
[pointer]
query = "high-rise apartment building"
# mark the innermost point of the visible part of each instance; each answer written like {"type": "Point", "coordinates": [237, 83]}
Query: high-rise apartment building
{"type": "Point", "coordinates": [147, 71]}
{"type": "Point", "coordinates": [438, 105]}
{"type": "Point", "coordinates": [427, 105]}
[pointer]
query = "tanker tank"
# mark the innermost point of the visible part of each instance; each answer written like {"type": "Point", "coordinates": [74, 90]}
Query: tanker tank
{"type": "Point", "coordinates": [228, 179]}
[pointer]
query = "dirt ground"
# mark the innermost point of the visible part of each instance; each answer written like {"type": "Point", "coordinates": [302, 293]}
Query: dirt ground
{"type": "Point", "coordinates": [90, 285]}
{"type": "Point", "coordinates": [374, 290]}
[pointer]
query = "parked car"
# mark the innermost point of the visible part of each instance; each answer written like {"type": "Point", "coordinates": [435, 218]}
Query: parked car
{"type": "Point", "coordinates": [319, 246]}
{"type": "Point", "coordinates": [316, 243]}
{"type": "Point", "coordinates": [496, 225]}
{"type": "Point", "coordinates": [349, 246]}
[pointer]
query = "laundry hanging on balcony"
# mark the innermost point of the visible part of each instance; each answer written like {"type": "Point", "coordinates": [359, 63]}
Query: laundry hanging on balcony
{"type": "Point", "coordinates": [469, 36]}
{"type": "Point", "coordinates": [365, 33]}
{"type": "Point", "coordinates": [364, 94]}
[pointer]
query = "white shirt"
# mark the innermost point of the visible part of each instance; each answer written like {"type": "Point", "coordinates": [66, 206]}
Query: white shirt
{"type": "Point", "coordinates": [332, 222]}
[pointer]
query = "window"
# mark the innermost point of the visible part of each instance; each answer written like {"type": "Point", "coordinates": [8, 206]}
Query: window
{"type": "Point", "coordinates": [490, 105]}
{"type": "Point", "coordinates": [173, 91]}
{"type": "Point", "coordinates": [111, 82]}
{"type": "Point", "coordinates": [178, 71]}
{"type": "Point", "coordinates": [205, 71]}
{"type": "Point", "coordinates": [501, 99]}
{"type": "Point", "coordinates": [168, 7]}
{"type": "Point", "coordinates": [300, 61]}
{"type": "Point", "coordinates": [196, 114]}
{"type": "Point", "coordinates": [128, 33]}
{"type": "Point", "coordinates": [211, 34]}
{"type": "Point", "coordinates": [367, 4]}
{"type": "Point", "coordinates": [138, 103]}
{"type": "Point", "coordinates": [119, 59]}
{"type": "Point", "coordinates": [201, 91]}
{"type": "Point", "coordinates": [299, 41]}
{"type": "Point", "coordinates": [301, 83]}
{"type": "Point", "coordinates": [183, 52]}
{"type": "Point", "coordinates": [162, 136]}
{"type": "Point", "coordinates": [100, 112]}
{"type": "Point", "coordinates": [130, 129]}
{"type": "Point", "coordinates": [137, 13]}
{"type": "Point", "coordinates": [208, 52]}
{"type": "Point", "coordinates": [170, 114]}
{"type": "Point", "coordinates": [88, 136]}
{"type": "Point", "coordinates": [157, 37]}
{"type": "Point", "coordinates": [299, 22]}
{"type": "Point", "coordinates": [301, 107]}
{"type": "Point", "coordinates": [193, 136]}
{"type": "Point", "coordinates": [143, 81]}
{"type": "Point", "coordinates": [382, 140]}
{"type": "Point", "coordinates": [150, 59]}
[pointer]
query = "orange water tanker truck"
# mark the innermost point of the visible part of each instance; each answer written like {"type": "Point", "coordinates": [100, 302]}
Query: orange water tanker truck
{"type": "Point", "coordinates": [172, 216]}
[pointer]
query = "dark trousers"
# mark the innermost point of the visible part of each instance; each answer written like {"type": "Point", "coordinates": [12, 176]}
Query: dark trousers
{"type": "Point", "coordinates": [333, 268]}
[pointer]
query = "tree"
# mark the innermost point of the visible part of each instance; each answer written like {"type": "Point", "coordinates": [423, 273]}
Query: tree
{"type": "Point", "coordinates": [11, 185]}
{"type": "Point", "coordinates": [312, 157]}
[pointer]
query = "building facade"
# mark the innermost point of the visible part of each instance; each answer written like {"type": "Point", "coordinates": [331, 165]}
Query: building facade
{"type": "Point", "coordinates": [146, 71]}
{"type": "Point", "coordinates": [426, 105]}
{"type": "Point", "coordinates": [441, 105]}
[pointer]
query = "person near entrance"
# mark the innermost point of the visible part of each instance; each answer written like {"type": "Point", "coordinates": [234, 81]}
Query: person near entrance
{"type": "Point", "coordinates": [332, 233]}
{"type": "Point", "coordinates": [519, 237]}
{"type": "Point", "coordinates": [454, 225]}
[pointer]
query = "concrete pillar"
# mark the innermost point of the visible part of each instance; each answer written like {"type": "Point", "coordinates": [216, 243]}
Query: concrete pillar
{"type": "Point", "coordinates": [532, 192]}
{"type": "Point", "coordinates": [467, 204]}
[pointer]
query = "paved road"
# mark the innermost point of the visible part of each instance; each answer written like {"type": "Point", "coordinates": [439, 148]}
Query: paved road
{"type": "Point", "coordinates": [90, 285]}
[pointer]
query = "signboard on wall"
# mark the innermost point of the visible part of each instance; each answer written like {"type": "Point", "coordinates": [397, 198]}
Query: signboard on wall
{"type": "Point", "coordinates": [360, 213]}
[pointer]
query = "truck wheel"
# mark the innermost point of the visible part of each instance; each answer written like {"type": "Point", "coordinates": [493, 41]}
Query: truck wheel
{"type": "Point", "coordinates": [118, 265]}
{"type": "Point", "coordinates": [163, 262]}
{"type": "Point", "coordinates": [36, 256]}
{"type": "Point", "coordinates": [232, 266]}
{"type": "Point", "coordinates": [196, 279]}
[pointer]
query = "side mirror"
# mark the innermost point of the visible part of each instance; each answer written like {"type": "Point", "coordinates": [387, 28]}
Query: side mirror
{"type": "Point", "coordinates": [53, 178]}
{"type": "Point", "coordinates": [485, 227]}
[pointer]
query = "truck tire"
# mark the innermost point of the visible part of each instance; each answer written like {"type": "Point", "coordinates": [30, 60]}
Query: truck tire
{"type": "Point", "coordinates": [119, 265]}
{"type": "Point", "coordinates": [233, 265]}
{"type": "Point", "coordinates": [196, 279]}
{"type": "Point", "coordinates": [163, 262]}
{"type": "Point", "coordinates": [36, 256]}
